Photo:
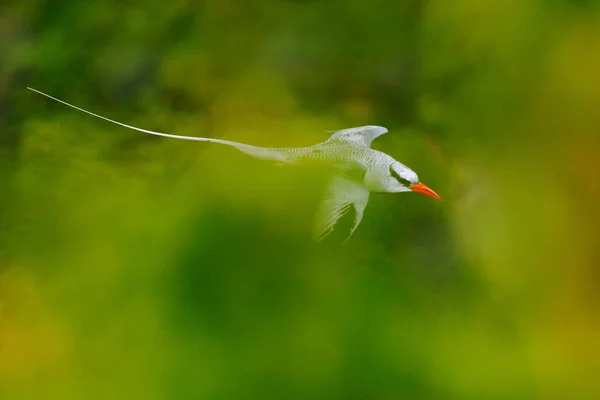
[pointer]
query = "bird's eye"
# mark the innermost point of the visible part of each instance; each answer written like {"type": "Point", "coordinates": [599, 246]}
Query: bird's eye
{"type": "Point", "coordinates": [404, 182]}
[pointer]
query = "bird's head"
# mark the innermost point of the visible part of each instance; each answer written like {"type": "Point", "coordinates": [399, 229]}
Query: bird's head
{"type": "Point", "coordinates": [404, 179]}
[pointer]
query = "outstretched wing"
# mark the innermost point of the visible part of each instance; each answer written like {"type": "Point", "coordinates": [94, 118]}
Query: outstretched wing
{"type": "Point", "coordinates": [344, 196]}
{"type": "Point", "coordinates": [255, 151]}
{"type": "Point", "coordinates": [362, 136]}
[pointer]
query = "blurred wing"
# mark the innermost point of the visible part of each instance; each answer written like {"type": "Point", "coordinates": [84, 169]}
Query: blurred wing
{"type": "Point", "coordinates": [362, 136]}
{"type": "Point", "coordinates": [344, 196]}
{"type": "Point", "coordinates": [255, 151]}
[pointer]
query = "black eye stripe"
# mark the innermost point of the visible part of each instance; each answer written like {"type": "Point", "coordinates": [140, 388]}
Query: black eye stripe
{"type": "Point", "coordinates": [400, 179]}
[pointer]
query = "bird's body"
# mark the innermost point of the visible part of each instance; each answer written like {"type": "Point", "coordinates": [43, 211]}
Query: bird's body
{"type": "Point", "coordinates": [359, 170]}
{"type": "Point", "coordinates": [345, 156]}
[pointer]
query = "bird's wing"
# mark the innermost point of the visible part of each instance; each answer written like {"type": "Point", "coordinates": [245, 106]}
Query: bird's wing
{"type": "Point", "coordinates": [255, 151]}
{"type": "Point", "coordinates": [362, 136]}
{"type": "Point", "coordinates": [344, 196]}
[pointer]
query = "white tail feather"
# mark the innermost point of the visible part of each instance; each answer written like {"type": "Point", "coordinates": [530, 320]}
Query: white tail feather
{"type": "Point", "coordinates": [259, 152]}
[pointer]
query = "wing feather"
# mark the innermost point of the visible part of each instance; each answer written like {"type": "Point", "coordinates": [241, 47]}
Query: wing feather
{"type": "Point", "coordinates": [362, 136]}
{"type": "Point", "coordinates": [344, 195]}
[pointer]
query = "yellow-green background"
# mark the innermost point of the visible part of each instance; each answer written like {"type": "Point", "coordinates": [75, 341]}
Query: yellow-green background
{"type": "Point", "coordinates": [138, 267]}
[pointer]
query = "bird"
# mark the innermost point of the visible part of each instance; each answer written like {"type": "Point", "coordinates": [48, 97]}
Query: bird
{"type": "Point", "coordinates": [358, 169]}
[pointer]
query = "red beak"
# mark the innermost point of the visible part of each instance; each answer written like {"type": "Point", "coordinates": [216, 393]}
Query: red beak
{"type": "Point", "coordinates": [421, 188]}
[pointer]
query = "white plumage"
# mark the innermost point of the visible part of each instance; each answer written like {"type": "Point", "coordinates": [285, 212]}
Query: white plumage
{"type": "Point", "coordinates": [360, 170]}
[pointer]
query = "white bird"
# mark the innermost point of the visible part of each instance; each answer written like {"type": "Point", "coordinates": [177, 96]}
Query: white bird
{"type": "Point", "coordinates": [360, 170]}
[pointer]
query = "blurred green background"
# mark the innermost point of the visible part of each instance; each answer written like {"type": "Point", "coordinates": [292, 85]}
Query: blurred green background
{"type": "Point", "coordinates": [134, 266]}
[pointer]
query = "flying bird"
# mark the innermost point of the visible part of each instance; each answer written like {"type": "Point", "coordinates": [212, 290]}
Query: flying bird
{"type": "Point", "coordinates": [359, 170]}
